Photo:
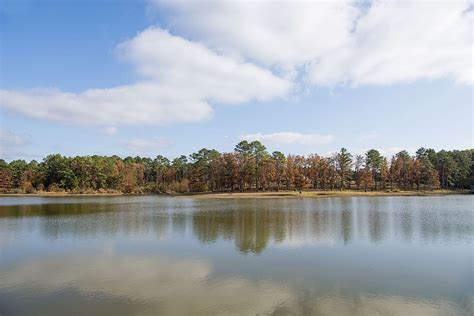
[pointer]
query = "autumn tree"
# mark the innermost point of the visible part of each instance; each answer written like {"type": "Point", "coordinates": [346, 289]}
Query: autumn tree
{"type": "Point", "coordinates": [279, 162]}
{"type": "Point", "coordinates": [246, 164]}
{"type": "Point", "coordinates": [249, 166]}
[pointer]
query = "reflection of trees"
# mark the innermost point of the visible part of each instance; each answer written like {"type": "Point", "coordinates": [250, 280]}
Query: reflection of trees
{"type": "Point", "coordinates": [377, 224]}
{"type": "Point", "coordinates": [251, 229]}
{"type": "Point", "coordinates": [54, 209]}
{"type": "Point", "coordinates": [405, 225]}
{"type": "Point", "coordinates": [179, 223]}
{"type": "Point", "coordinates": [252, 226]}
{"type": "Point", "coordinates": [336, 221]}
{"type": "Point", "coordinates": [446, 226]}
{"type": "Point", "coordinates": [377, 216]}
{"type": "Point", "coordinates": [87, 219]}
{"type": "Point", "coordinates": [100, 224]}
{"type": "Point", "coordinates": [346, 222]}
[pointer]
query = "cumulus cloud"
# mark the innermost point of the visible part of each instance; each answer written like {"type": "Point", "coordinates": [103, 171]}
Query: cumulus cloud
{"type": "Point", "coordinates": [144, 146]}
{"type": "Point", "coordinates": [402, 42]}
{"type": "Point", "coordinates": [290, 138]}
{"type": "Point", "coordinates": [201, 73]}
{"type": "Point", "coordinates": [231, 52]}
{"type": "Point", "coordinates": [180, 80]}
{"type": "Point", "coordinates": [283, 33]}
{"type": "Point", "coordinates": [141, 103]}
{"type": "Point", "coordinates": [334, 42]}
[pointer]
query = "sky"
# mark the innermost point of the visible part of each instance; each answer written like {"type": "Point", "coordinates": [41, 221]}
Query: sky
{"type": "Point", "coordinates": [168, 78]}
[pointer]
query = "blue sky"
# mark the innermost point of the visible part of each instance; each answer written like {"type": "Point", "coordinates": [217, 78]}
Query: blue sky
{"type": "Point", "coordinates": [157, 77]}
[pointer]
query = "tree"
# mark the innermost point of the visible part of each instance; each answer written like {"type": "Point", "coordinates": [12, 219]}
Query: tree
{"type": "Point", "coordinates": [259, 155]}
{"type": "Point", "coordinates": [181, 166]}
{"type": "Point", "coordinates": [384, 173]}
{"type": "Point", "coordinates": [462, 169]}
{"type": "Point", "coordinates": [230, 171]}
{"type": "Point", "coordinates": [367, 178]}
{"type": "Point", "coordinates": [5, 179]}
{"type": "Point", "coordinates": [403, 169]}
{"type": "Point", "coordinates": [160, 166]}
{"type": "Point", "coordinates": [246, 168]}
{"type": "Point", "coordinates": [358, 168]}
{"type": "Point", "coordinates": [18, 168]}
{"type": "Point", "coordinates": [374, 161]}
{"type": "Point", "coordinates": [279, 161]}
{"type": "Point", "coordinates": [299, 176]}
{"type": "Point", "coordinates": [204, 170]}
{"type": "Point", "coordinates": [344, 165]}
{"type": "Point", "coordinates": [249, 166]}
{"type": "Point", "coordinates": [445, 166]}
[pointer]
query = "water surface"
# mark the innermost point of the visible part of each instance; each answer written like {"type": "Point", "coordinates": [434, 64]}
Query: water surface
{"type": "Point", "coordinates": [274, 256]}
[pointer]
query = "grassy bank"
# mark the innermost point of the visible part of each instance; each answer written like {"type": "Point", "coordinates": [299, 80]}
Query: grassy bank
{"type": "Point", "coordinates": [316, 194]}
{"type": "Point", "coordinates": [268, 194]}
{"type": "Point", "coordinates": [63, 194]}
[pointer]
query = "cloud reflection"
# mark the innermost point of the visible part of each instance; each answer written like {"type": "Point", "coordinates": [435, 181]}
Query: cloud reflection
{"type": "Point", "coordinates": [166, 285]}
{"type": "Point", "coordinates": [185, 286]}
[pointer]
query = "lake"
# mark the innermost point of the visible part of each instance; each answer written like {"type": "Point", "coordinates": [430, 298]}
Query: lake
{"type": "Point", "coordinates": [153, 255]}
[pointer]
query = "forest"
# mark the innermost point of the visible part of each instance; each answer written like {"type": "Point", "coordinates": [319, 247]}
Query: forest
{"type": "Point", "coordinates": [250, 167]}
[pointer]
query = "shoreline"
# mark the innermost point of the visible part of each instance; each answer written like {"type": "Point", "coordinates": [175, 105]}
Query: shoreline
{"type": "Point", "coordinates": [239, 195]}
{"type": "Point", "coordinates": [320, 194]}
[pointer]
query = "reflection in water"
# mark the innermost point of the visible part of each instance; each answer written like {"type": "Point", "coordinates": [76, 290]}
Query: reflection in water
{"type": "Point", "coordinates": [172, 286]}
{"type": "Point", "coordinates": [253, 224]}
{"type": "Point", "coordinates": [165, 286]}
{"type": "Point", "coordinates": [53, 209]}
{"type": "Point", "coordinates": [297, 256]}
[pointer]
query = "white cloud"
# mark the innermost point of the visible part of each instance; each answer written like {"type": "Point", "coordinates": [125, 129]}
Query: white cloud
{"type": "Point", "coordinates": [231, 52]}
{"type": "Point", "coordinates": [141, 103]}
{"type": "Point", "coordinates": [144, 146]}
{"type": "Point", "coordinates": [8, 138]}
{"type": "Point", "coordinates": [110, 130]}
{"type": "Point", "coordinates": [403, 42]}
{"type": "Point", "coordinates": [12, 144]}
{"type": "Point", "coordinates": [290, 138]}
{"type": "Point", "coordinates": [180, 79]}
{"type": "Point", "coordinates": [334, 42]}
{"type": "Point", "coordinates": [284, 34]}
{"type": "Point", "coordinates": [197, 71]}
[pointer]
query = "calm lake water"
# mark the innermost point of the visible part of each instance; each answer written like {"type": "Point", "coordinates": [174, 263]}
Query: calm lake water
{"type": "Point", "coordinates": [278, 256]}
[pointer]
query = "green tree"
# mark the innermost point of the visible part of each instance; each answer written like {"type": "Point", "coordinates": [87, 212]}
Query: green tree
{"type": "Point", "coordinates": [344, 165]}
{"type": "Point", "coordinates": [374, 161]}
{"type": "Point", "coordinates": [260, 155]}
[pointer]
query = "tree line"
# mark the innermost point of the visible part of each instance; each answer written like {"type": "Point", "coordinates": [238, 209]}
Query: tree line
{"type": "Point", "coordinates": [249, 167]}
